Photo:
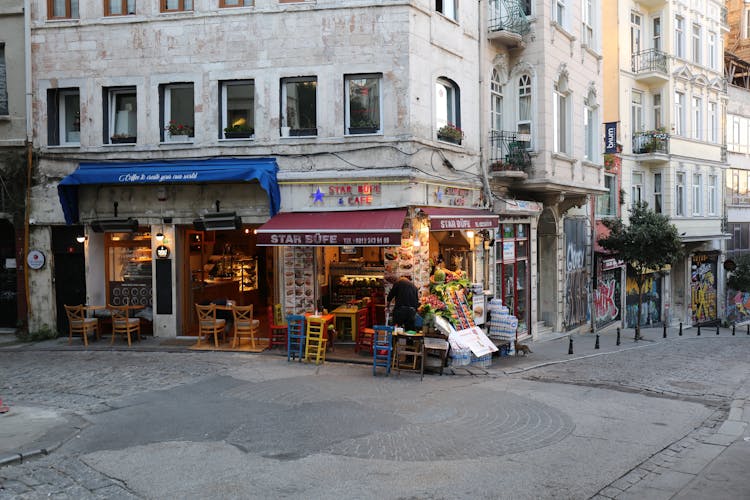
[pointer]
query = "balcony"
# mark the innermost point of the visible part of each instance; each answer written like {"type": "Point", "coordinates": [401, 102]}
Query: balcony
{"type": "Point", "coordinates": [507, 23]}
{"type": "Point", "coordinates": [653, 145]}
{"type": "Point", "coordinates": [650, 4]}
{"type": "Point", "coordinates": [651, 66]}
{"type": "Point", "coordinates": [508, 154]}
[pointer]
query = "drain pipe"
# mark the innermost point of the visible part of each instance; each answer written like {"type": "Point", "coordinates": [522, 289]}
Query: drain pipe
{"type": "Point", "coordinates": [482, 37]}
{"type": "Point", "coordinates": [29, 155]}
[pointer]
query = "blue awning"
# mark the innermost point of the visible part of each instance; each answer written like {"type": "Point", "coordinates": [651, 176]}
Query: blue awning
{"type": "Point", "coordinates": [187, 171]}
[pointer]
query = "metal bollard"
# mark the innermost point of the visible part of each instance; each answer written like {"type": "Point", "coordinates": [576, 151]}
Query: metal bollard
{"type": "Point", "coordinates": [570, 345]}
{"type": "Point", "coordinates": [596, 344]}
{"type": "Point", "coordinates": [717, 329]}
{"type": "Point", "coordinates": [637, 333]}
{"type": "Point", "coordinates": [664, 333]}
{"type": "Point", "coordinates": [699, 330]}
{"type": "Point", "coordinates": [680, 329]}
{"type": "Point", "coordinates": [618, 336]}
{"type": "Point", "coordinates": [733, 329]}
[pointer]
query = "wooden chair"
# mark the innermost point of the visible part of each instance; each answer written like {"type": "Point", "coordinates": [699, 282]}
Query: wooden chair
{"type": "Point", "coordinates": [277, 329]}
{"type": "Point", "coordinates": [208, 324]}
{"type": "Point", "coordinates": [295, 337]}
{"type": "Point", "coordinates": [244, 324]}
{"type": "Point", "coordinates": [79, 324]}
{"type": "Point", "coordinates": [364, 332]}
{"type": "Point", "coordinates": [408, 354]}
{"type": "Point", "coordinates": [382, 348]}
{"type": "Point", "coordinates": [315, 343]}
{"type": "Point", "coordinates": [123, 324]}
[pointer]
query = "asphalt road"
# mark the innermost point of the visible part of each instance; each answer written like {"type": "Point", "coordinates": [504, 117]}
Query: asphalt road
{"type": "Point", "coordinates": [663, 420]}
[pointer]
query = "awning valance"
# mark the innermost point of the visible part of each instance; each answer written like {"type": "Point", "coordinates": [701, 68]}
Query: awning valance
{"type": "Point", "coordinates": [455, 219]}
{"type": "Point", "coordinates": [186, 171]}
{"type": "Point", "coordinates": [354, 228]}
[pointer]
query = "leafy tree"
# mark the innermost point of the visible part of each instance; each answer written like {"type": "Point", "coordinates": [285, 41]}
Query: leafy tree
{"type": "Point", "coordinates": [650, 241]}
{"type": "Point", "coordinates": [739, 277]}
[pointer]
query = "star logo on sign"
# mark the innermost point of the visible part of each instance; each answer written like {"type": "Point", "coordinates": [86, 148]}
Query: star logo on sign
{"type": "Point", "coordinates": [318, 196]}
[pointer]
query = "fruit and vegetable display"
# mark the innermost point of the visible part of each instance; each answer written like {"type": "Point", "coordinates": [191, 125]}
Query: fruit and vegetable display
{"type": "Point", "coordinates": [449, 297]}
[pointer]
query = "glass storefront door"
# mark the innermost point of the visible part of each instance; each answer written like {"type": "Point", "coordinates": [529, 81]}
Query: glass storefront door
{"type": "Point", "coordinates": [512, 271]}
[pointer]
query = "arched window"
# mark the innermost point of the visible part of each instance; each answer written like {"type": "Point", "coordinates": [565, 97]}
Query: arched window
{"type": "Point", "coordinates": [561, 110]}
{"type": "Point", "coordinates": [496, 102]}
{"type": "Point", "coordinates": [524, 123]}
{"type": "Point", "coordinates": [447, 104]}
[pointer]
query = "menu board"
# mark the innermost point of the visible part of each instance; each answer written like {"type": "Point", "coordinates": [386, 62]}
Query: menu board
{"type": "Point", "coordinates": [299, 283]}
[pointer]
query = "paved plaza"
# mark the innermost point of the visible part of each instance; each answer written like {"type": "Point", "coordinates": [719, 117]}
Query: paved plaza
{"type": "Point", "coordinates": [658, 418]}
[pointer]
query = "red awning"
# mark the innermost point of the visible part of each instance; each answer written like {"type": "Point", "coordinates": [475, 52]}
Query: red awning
{"type": "Point", "coordinates": [373, 228]}
{"type": "Point", "coordinates": [451, 219]}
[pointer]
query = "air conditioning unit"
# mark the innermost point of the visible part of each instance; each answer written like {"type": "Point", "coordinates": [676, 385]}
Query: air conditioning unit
{"type": "Point", "coordinates": [116, 225]}
{"type": "Point", "coordinates": [218, 221]}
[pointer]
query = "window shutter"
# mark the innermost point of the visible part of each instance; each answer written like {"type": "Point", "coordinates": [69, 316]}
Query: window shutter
{"type": "Point", "coordinates": [53, 118]}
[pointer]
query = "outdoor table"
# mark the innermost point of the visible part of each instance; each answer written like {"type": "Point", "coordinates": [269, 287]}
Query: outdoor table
{"type": "Point", "coordinates": [350, 313]}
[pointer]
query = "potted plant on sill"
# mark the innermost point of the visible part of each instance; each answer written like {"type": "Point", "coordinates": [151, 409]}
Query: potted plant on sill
{"type": "Point", "coordinates": [122, 139]}
{"type": "Point", "coordinates": [179, 132]}
{"type": "Point", "coordinates": [450, 133]}
{"type": "Point", "coordinates": [238, 132]}
{"type": "Point", "coordinates": [363, 125]}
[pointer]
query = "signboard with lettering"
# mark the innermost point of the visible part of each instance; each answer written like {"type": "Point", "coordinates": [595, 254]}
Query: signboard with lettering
{"type": "Point", "coordinates": [329, 239]}
{"type": "Point", "coordinates": [347, 194]}
{"type": "Point", "coordinates": [610, 137]}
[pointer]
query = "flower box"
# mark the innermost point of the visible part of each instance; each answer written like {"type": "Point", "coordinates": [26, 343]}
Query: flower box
{"type": "Point", "coordinates": [363, 130]}
{"type": "Point", "coordinates": [446, 138]}
{"type": "Point", "coordinates": [238, 135]}
{"type": "Point", "coordinates": [179, 138]}
{"type": "Point", "coordinates": [123, 139]}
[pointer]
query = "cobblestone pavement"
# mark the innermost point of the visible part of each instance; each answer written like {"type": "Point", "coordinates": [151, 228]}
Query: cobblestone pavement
{"type": "Point", "coordinates": [238, 426]}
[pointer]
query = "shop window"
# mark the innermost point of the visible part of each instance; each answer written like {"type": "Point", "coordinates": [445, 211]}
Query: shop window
{"type": "Point", "coordinates": [177, 110]}
{"type": "Point", "coordinates": [128, 268]}
{"type": "Point", "coordinates": [121, 108]}
{"type": "Point", "coordinates": [176, 5]}
{"type": "Point", "coordinates": [119, 7]}
{"type": "Point", "coordinates": [237, 109]}
{"type": "Point", "coordinates": [363, 104]}
{"type": "Point", "coordinates": [299, 106]}
{"type": "Point", "coordinates": [64, 117]}
{"type": "Point", "coordinates": [62, 9]}
{"type": "Point", "coordinates": [512, 271]}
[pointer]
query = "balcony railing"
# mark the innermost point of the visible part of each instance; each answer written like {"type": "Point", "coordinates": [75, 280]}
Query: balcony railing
{"type": "Point", "coordinates": [508, 15]}
{"type": "Point", "coordinates": [508, 152]}
{"type": "Point", "coordinates": [650, 142]}
{"type": "Point", "coordinates": [650, 61]}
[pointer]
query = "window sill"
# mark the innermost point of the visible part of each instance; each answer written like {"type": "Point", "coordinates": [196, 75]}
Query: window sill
{"type": "Point", "coordinates": [4, 118]}
{"type": "Point", "coordinates": [64, 146]}
{"type": "Point", "coordinates": [176, 143]}
{"type": "Point", "coordinates": [563, 157]}
{"type": "Point", "coordinates": [63, 20]}
{"type": "Point", "coordinates": [596, 54]}
{"type": "Point", "coordinates": [563, 31]}
{"type": "Point", "coordinates": [588, 163]}
{"type": "Point", "coordinates": [237, 139]}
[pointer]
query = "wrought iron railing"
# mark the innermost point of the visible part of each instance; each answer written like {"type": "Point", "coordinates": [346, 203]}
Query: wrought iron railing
{"type": "Point", "coordinates": [650, 142]}
{"type": "Point", "coordinates": [649, 61]}
{"type": "Point", "coordinates": [508, 15]}
{"type": "Point", "coordinates": [508, 151]}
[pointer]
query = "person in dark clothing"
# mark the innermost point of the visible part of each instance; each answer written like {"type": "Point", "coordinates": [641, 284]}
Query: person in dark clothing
{"type": "Point", "coordinates": [406, 296]}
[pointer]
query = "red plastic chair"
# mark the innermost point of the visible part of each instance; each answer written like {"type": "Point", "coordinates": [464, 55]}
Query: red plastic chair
{"type": "Point", "coordinates": [276, 331]}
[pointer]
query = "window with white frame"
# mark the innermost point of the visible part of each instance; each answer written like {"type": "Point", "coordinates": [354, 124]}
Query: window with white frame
{"type": "Point", "coordinates": [658, 201]}
{"type": "Point", "coordinates": [606, 203]}
{"type": "Point", "coordinates": [176, 5]}
{"type": "Point", "coordinates": [679, 195]}
{"type": "Point", "coordinates": [588, 23]}
{"type": "Point", "coordinates": [496, 102]}
{"type": "Point", "coordinates": [523, 125]}
{"type": "Point", "coordinates": [363, 104]}
{"type": "Point", "coordinates": [589, 132]}
{"type": "Point", "coordinates": [713, 187]}
{"type": "Point", "coordinates": [697, 42]}
{"type": "Point", "coordinates": [636, 187]}
{"type": "Point", "coordinates": [64, 117]}
{"type": "Point", "coordinates": [697, 194]}
{"type": "Point", "coordinates": [122, 112]}
{"type": "Point", "coordinates": [656, 33]}
{"type": "Point", "coordinates": [4, 109]}
{"type": "Point", "coordinates": [178, 111]}
{"type": "Point", "coordinates": [712, 58]}
{"type": "Point", "coordinates": [656, 109]}
{"type": "Point", "coordinates": [697, 124]}
{"type": "Point", "coordinates": [679, 36]}
{"type": "Point", "coordinates": [636, 111]}
{"type": "Point", "coordinates": [299, 98]}
{"type": "Point", "coordinates": [736, 141]}
{"type": "Point", "coordinates": [561, 111]}
{"type": "Point", "coordinates": [448, 8]}
{"type": "Point", "coordinates": [713, 122]}
{"type": "Point", "coordinates": [679, 113]}
{"type": "Point", "coordinates": [746, 18]}
{"type": "Point", "coordinates": [447, 105]}
{"type": "Point", "coordinates": [236, 3]}
{"type": "Point", "coordinates": [237, 109]}
{"type": "Point", "coordinates": [119, 7]}
{"type": "Point", "coordinates": [635, 32]}
{"type": "Point", "coordinates": [62, 9]}
{"type": "Point", "coordinates": [559, 12]}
